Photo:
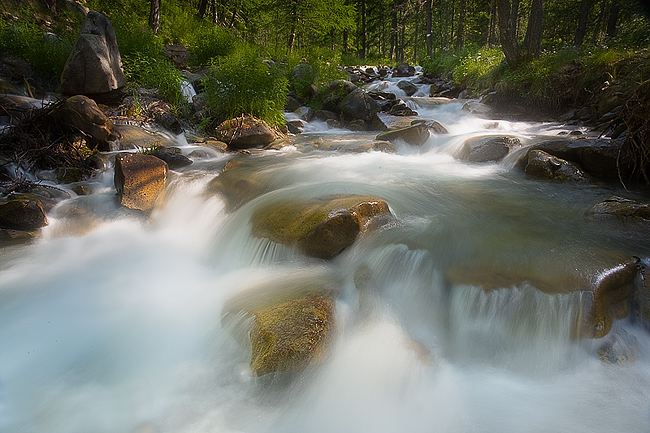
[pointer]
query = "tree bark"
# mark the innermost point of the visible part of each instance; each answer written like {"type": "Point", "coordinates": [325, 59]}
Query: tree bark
{"type": "Point", "coordinates": [585, 6]}
{"type": "Point", "coordinates": [508, 31]}
{"type": "Point", "coordinates": [613, 18]}
{"type": "Point", "coordinates": [154, 16]}
{"type": "Point", "coordinates": [203, 5]}
{"type": "Point", "coordinates": [364, 30]}
{"type": "Point", "coordinates": [534, 29]}
{"type": "Point", "coordinates": [493, 21]}
{"type": "Point", "coordinates": [429, 29]}
{"type": "Point", "coordinates": [460, 34]}
{"type": "Point", "coordinates": [393, 31]}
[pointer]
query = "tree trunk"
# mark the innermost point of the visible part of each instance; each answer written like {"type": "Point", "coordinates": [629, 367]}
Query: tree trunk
{"type": "Point", "coordinates": [493, 21]}
{"type": "Point", "coordinates": [460, 35]}
{"type": "Point", "coordinates": [393, 31]}
{"type": "Point", "coordinates": [597, 29]}
{"type": "Point", "coordinates": [154, 16]}
{"type": "Point", "coordinates": [215, 16]}
{"type": "Point", "coordinates": [294, 23]}
{"type": "Point", "coordinates": [534, 30]}
{"type": "Point", "coordinates": [429, 28]}
{"type": "Point", "coordinates": [508, 32]}
{"type": "Point", "coordinates": [203, 5]}
{"type": "Point", "coordinates": [613, 18]}
{"type": "Point", "coordinates": [585, 5]}
{"type": "Point", "coordinates": [364, 30]}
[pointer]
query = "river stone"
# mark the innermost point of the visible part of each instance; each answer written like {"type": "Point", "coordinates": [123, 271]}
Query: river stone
{"type": "Point", "coordinates": [621, 210]}
{"type": "Point", "coordinates": [295, 126]}
{"type": "Point", "coordinates": [321, 227]}
{"type": "Point", "coordinates": [245, 132]}
{"type": "Point", "coordinates": [82, 113]}
{"type": "Point", "coordinates": [542, 165]}
{"type": "Point", "coordinates": [11, 237]}
{"type": "Point", "coordinates": [22, 212]}
{"type": "Point", "coordinates": [619, 347]}
{"type": "Point", "coordinates": [409, 88]}
{"type": "Point", "coordinates": [291, 335]}
{"type": "Point", "coordinates": [239, 183]}
{"type": "Point", "coordinates": [172, 156]}
{"type": "Point", "coordinates": [139, 180]}
{"type": "Point", "coordinates": [94, 66]}
{"type": "Point", "coordinates": [475, 107]}
{"type": "Point", "coordinates": [487, 149]}
{"type": "Point", "coordinates": [136, 137]}
{"type": "Point", "coordinates": [607, 277]}
{"type": "Point", "coordinates": [600, 158]}
{"type": "Point", "coordinates": [359, 105]}
{"type": "Point", "coordinates": [416, 134]}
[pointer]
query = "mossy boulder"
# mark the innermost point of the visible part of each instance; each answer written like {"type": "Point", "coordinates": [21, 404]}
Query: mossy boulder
{"type": "Point", "coordinates": [22, 212]}
{"type": "Point", "coordinates": [139, 180]}
{"type": "Point", "coordinates": [290, 335]}
{"type": "Point", "coordinates": [321, 227]}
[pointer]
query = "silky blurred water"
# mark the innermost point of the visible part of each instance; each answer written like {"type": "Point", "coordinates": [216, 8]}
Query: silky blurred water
{"type": "Point", "coordinates": [112, 322]}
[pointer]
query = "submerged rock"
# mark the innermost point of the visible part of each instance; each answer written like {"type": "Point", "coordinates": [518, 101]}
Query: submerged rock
{"type": "Point", "coordinates": [320, 227]}
{"type": "Point", "coordinates": [606, 278]}
{"type": "Point", "coordinates": [139, 180]}
{"type": "Point", "coordinates": [542, 165]}
{"type": "Point", "coordinates": [620, 210]}
{"type": "Point", "coordinates": [619, 347]}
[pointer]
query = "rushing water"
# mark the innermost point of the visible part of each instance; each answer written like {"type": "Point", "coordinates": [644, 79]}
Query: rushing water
{"type": "Point", "coordinates": [112, 323]}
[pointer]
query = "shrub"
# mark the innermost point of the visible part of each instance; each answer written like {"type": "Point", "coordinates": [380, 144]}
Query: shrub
{"type": "Point", "coordinates": [476, 66]}
{"type": "Point", "coordinates": [244, 82]}
{"type": "Point", "coordinates": [210, 43]}
{"type": "Point", "coordinates": [154, 72]}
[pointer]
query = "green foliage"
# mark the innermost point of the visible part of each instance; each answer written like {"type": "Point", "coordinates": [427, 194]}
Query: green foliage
{"type": "Point", "coordinates": [46, 53]}
{"type": "Point", "coordinates": [211, 42]}
{"type": "Point", "coordinates": [440, 64]}
{"type": "Point", "coordinates": [154, 72]}
{"type": "Point", "coordinates": [476, 65]}
{"type": "Point", "coordinates": [244, 82]}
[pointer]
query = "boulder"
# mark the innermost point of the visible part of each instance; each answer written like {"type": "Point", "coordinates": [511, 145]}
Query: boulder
{"type": "Point", "coordinates": [304, 113]}
{"type": "Point", "coordinates": [401, 110]}
{"type": "Point", "coordinates": [11, 237]}
{"type": "Point", "coordinates": [94, 66]}
{"type": "Point", "coordinates": [620, 210]}
{"type": "Point", "coordinates": [321, 227]}
{"type": "Point", "coordinates": [291, 335]}
{"type": "Point", "coordinates": [416, 134]}
{"type": "Point", "coordinates": [178, 54]}
{"type": "Point", "coordinates": [606, 279]}
{"type": "Point", "coordinates": [358, 105]}
{"type": "Point", "coordinates": [403, 70]}
{"type": "Point", "coordinates": [172, 156]}
{"type": "Point", "coordinates": [139, 180]}
{"type": "Point", "coordinates": [245, 132]}
{"type": "Point", "coordinates": [475, 107]}
{"type": "Point", "coordinates": [487, 148]}
{"type": "Point", "coordinates": [619, 347]}
{"type": "Point", "coordinates": [82, 113]}
{"type": "Point", "coordinates": [409, 88]}
{"type": "Point", "coordinates": [601, 158]}
{"type": "Point", "coordinates": [239, 182]}
{"type": "Point", "coordinates": [23, 212]}
{"type": "Point", "coordinates": [336, 91]}
{"type": "Point", "coordinates": [436, 128]}
{"type": "Point", "coordinates": [295, 126]}
{"type": "Point", "coordinates": [542, 165]}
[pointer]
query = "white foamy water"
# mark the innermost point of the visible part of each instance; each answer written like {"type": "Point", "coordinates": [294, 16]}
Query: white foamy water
{"type": "Point", "coordinates": [113, 322]}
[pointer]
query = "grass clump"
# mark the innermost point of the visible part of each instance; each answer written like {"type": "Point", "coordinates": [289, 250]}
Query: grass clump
{"type": "Point", "coordinates": [244, 82]}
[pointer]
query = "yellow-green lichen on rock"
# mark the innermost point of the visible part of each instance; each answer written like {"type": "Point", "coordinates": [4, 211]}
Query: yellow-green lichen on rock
{"type": "Point", "coordinates": [321, 227]}
{"type": "Point", "coordinates": [291, 335]}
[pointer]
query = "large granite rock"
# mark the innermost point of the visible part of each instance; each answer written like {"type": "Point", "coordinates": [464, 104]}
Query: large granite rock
{"type": "Point", "coordinates": [416, 134]}
{"type": "Point", "coordinates": [359, 105]}
{"type": "Point", "coordinates": [601, 158]}
{"type": "Point", "coordinates": [488, 149]}
{"type": "Point", "coordinates": [94, 66]}
{"type": "Point", "coordinates": [245, 132]}
{"type": "Point", "coordinates": [320, 227]}
{"type": "Point", "coordinates": [139, 180]}
{"type": "Point", "coordinates": [82, 113]}
{"type": "Point", "coordinates": [605, 278]}
{"type": "Point", "coordinates": [22, 212]}
{"type": "Point", "coordinates": [542, 165]}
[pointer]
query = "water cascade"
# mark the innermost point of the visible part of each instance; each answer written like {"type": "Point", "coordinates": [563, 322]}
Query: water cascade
{"type": "Point", "coordinates": [112, 322]}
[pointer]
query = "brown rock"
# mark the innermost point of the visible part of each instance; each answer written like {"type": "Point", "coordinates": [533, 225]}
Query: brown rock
{"type": "Point", "coordinates": [321, 227]}
{"type": "Point", "coordinates": [245, 132]}
{"type": "Point", "coordinates": [82, 113]}
{"type": "Point", "coordinates": [94, 66]}
{"type": "Point", "coordinates": [415, 135]}
{"type": "Point", "coordinates": [488, 149]}
{"type": "Point", "coordinates": [622, 210]}
{"type": "Point", "coordinates": [542, 165]}
{"type": "Point", "coordinates": [22, 212]}
{"type": "Point", "coordinates": [139, 180]}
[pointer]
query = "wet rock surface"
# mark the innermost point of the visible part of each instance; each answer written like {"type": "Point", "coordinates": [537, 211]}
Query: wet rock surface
{"type": "Point", "coordinates": [139, 180]}
{"type": "Point", "coordinates": [488, 149]}
{"type": "Point", "coordinates": [542, 165]}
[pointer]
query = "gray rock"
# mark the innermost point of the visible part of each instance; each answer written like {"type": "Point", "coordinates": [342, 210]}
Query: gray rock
{"type": "Point", "coordinates": [488, 149]}
{"type": "Point", "coordinates": [416, 134]}
{"type": "Point", "coordinates": [542, 165]}
{"type": "Point", "coordinates": [358, 105]}
{"type": "Point", "coordinates": [173, 157]}
{"type": "Point", "coordinates": [409, 88]}
{"type": "Point", "coordinates": [94, 66]}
